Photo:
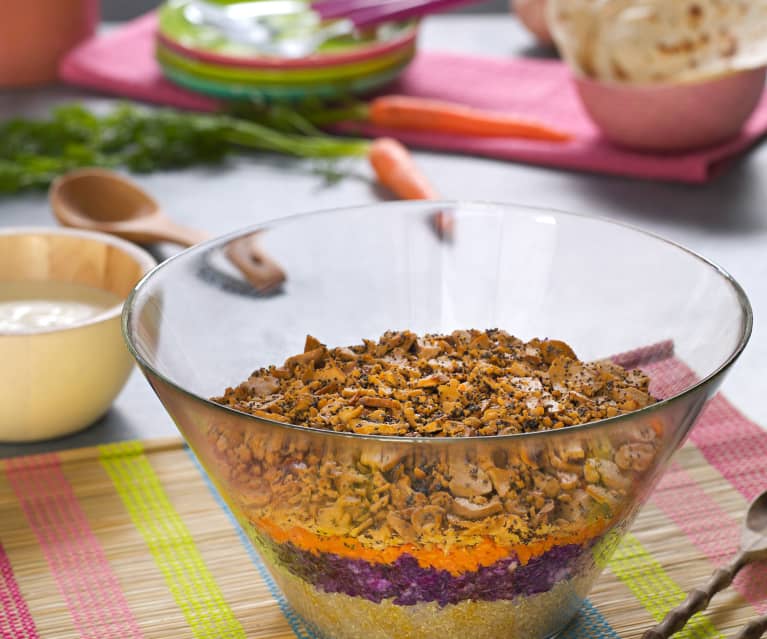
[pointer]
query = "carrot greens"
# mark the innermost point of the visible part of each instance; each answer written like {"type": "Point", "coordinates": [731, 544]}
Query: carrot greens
{"type": "Point", "coordinates": [34, 152]}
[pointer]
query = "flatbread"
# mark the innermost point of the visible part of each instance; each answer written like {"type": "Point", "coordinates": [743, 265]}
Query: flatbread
{"type": "Point", "coordinates": [654, 41]}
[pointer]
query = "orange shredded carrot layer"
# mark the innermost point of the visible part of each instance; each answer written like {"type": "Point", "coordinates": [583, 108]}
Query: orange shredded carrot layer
{"type": "Point", "coordinates": [456, 560]}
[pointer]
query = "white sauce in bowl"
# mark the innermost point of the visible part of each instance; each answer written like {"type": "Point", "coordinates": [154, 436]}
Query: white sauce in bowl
{"type": "Point", "coordinates": [33, 306]}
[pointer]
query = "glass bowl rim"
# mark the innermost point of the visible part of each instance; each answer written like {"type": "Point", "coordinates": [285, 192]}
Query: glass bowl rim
{"type": "Point", "coordinates": [740, 294]}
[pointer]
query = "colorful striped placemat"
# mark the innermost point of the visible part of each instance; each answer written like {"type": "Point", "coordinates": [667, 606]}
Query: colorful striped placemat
{"type": "Point", "coordinates": [130, 541]}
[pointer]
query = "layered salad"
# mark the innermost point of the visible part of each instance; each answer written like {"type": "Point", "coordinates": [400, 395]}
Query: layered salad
{"type": "Point", "coordinates": [435, 523]}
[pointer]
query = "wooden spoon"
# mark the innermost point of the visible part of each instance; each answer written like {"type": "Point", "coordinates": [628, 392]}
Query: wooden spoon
{"type": "Point", "coordinates": [753, 629]}
{"type": "Point", "coordinates": [753, 547]}
{"type": "Point", "coordinates": [102, 200]}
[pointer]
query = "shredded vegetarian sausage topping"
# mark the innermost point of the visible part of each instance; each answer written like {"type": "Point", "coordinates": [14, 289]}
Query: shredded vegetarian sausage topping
{"type": "Point", "coordinates": [464, 384]}
{"type": "Point", "coordinates": [481, 497]}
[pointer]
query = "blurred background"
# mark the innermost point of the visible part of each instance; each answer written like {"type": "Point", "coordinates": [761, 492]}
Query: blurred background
{"type": "Point", "coordinates": [124, 9]}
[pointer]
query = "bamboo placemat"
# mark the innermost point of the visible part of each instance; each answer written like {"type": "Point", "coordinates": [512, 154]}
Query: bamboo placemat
{"type": "Point", "coordinates": [130, 541]}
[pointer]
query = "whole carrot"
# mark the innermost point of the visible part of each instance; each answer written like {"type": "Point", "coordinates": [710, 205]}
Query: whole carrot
{"type": "Point", "coordinates": [436, 116]}
{"type": "Point", "coordinates": [396, 169]}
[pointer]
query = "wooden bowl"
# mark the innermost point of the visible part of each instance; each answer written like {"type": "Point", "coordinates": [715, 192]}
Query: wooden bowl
{"type": "Point", "coordinates": [672, 117]}
{"type": "Point", "coordinates": [56, 381]}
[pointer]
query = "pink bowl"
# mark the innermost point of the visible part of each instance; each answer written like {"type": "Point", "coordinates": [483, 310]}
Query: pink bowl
{"type": "Point", "coordinates": [672, 117]}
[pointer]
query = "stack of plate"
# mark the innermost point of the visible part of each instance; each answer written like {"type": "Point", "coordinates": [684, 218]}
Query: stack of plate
{"type": "Point", "coordinates": [202, 58]}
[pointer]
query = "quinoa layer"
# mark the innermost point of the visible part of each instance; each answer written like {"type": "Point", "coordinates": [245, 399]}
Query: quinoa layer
{"type": "Point", "coordinates": [340, 616]}
{"type": "Point", "coordinates": [405, 583]}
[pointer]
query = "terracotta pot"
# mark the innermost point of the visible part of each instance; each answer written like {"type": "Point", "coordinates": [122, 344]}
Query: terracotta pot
{"type": "Point", "coordinates": [35, 34]}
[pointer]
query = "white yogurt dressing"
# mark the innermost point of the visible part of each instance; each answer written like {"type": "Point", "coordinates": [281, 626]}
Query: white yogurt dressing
{"type": "Point", "coordinates": [31, 306]}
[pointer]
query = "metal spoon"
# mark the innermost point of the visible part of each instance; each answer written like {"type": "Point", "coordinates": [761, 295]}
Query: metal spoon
{"type": "Point", "coordinates": [102, 200]}
{"type": "Point", "coordinates": [259, 25]}
{"type": "Point", "coordinates": [255, 10]}
{"type": "Point", "coordinates": [753, 547]}
{"type": "Point", "coordinates": [262, 24]}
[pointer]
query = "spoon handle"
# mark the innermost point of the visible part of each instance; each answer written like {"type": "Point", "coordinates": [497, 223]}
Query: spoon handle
{"type": "Point", "coordinates": [182, 235]}
{"type": "Point", "coordinates": [753, 629]}
{"type": "Point", "coordinates": [259, 269]}
{"type": "Point", "coordinates": [696, 601]}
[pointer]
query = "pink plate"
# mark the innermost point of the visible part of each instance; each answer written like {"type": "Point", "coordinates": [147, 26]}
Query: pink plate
{"type": "Point", "coordinates": [358, 54]}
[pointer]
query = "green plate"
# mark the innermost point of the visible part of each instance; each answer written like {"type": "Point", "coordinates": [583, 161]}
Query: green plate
{"type": "Point", "coordinates": [217, 73]}
{"type": "Point", "coordinates": [281, 93]}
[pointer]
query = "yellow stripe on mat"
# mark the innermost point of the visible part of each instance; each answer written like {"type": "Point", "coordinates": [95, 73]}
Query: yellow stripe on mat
{"type": "Point", "coordinates": [654, 588]}
{"type": "Point", "coordinates": [170, 542]}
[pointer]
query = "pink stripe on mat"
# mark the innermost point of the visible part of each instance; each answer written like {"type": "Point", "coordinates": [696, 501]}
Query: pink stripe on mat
{"type": "Point", "coordinates": [734, 445]}
{"type": "Point", "coordinates": [730, 442]}
{"type": "Point", "coordinates": [15, 619]}
{"type": "Point", "coordinates": [711, 529]}
{"type": "Point", "coordinates": [645, 355]}
{"type": "Point", "coordinates": [75, 557]}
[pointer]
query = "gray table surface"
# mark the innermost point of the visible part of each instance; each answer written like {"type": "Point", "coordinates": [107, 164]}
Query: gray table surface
{"type": "Point", "coordinates": [725, 220]}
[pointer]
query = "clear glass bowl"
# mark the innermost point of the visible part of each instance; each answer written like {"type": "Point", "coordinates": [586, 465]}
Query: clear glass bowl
{"type": "Point", "coordinates": [367, 535]}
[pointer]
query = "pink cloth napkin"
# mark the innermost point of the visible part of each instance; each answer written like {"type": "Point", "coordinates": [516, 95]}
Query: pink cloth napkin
{"type": "Point", "coordinates": [122, 62]}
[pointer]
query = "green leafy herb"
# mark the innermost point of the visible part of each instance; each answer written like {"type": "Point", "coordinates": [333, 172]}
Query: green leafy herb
{"type": "Point", "coordinates": [34, 152]}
